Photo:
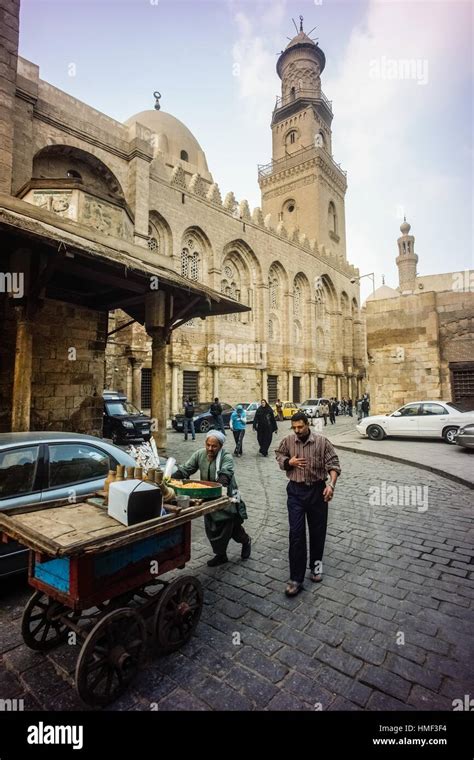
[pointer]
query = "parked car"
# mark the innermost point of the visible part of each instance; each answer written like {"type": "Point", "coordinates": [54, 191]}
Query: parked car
{"type": "Point", "coordinates": [465, 436]}
{"type": "Point", "coordinates": [289, 408]}
{"type": "Point", "coordinates": [312, 405]}
{"type": "Point", "coordinates": [123, 422]}
{"type": "Point", "coordinates": [40, 467]}
{"type": "Point", "coordinates": [250, 409]}
{"type": "Point", "coordinates": [420, 419]}
{"type": "Point", "coordinates": [203, 419]}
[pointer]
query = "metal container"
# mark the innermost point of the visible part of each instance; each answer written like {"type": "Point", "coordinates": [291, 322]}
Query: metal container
{"type": "Point", "coordinates": [213, 492]}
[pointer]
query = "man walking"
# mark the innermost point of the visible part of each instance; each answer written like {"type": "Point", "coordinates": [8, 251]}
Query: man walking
{"type": "Point", "coordinates": [216, 411]}
{"type": "Point", "coordinates": [324, 411]}
{"type": "Point", "coordinates": [332, 410]}
{"type": "Point", "coordinates": [349, 407]}
{"type": "Point", "coordinates": [365, 406]}
{"type": "Point", "coordinates": [308, 458]}
{"type": "Point", "coordinates": [188, 422]}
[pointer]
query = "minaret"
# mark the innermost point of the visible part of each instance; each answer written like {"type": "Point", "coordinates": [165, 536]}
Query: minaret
{"type": "Point", "coordinates": [406, 260]}
{"type": "Point", "coordinates": [303, 186]}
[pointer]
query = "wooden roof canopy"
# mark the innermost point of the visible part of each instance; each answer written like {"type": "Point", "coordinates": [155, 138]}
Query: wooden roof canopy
{"type": "Point", "coordinates": [77, 265]}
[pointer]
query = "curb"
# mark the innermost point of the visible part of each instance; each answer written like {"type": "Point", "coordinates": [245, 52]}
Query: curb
{"type": "Point", "coordinates": [435, 470]}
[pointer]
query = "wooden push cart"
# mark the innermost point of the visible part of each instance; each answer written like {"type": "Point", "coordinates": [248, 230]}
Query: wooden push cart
{"type": "Point", "coordinates": [102, 582]}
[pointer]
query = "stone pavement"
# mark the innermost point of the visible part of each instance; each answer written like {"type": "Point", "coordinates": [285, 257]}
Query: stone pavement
{"type": "Point", "coordinates": [456, 462]}
{"type": "Point", "coordinates": [390, 627]}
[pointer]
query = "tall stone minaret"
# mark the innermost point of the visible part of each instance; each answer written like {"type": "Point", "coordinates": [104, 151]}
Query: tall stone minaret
{"type": "Point", "coordinates": [303, 186]}
{"type": "Point", "coordinates": [406, 260]}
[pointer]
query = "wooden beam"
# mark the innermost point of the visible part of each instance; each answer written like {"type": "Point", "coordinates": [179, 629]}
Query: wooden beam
{"type": "Point", "coordinates": [22, 374]}
{"type": "Point", "coordinates": [124, 283]}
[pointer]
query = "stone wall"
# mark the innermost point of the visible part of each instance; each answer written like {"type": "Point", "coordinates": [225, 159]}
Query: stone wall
{"type": "Point", "coordinates": [68, 368]}
{"type": "Point", "coordinates": [410, 342]}
{"type": "Point", "coordinates": [9, 32]}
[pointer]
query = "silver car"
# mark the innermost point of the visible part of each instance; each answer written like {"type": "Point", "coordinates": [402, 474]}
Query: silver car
{"type": "Point", "coordinates": [250, 409]}
{"type": "Point", "coordinates": [465, 436]}
{"type": "Point", "coordinates": [40, 467]}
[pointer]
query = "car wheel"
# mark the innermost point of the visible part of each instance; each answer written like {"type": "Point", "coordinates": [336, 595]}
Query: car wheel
{"type": "Point", "coordinates": [204, 426]}
{"type": "Point", "coordinates": [449, 434]}
{"type": "Point", "coordinates": [375, 433]}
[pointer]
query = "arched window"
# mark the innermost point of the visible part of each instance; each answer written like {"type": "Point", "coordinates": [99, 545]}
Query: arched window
{"type": "Point", "coordinates": [270, 329]}
{"type": "Point", "coordinates": [297, 300]}
{"type": "Point", "coordinates": [273, 288]}
{"type": "Point", "coordinates": [230, 286]}
{"type": "Point", "coordinates": [292, 93]}
{"type": "Point", "coordinates": [153, 242]}
{"type": "Point", "coordinates": [184, 156]}
{"type": "Point", "coordinates": [320, 140]}
{"type": "Point", "coordinates": [291, 138]}
{"type": "Point", "coordinates": [332, 218]}
{"type": "Point", "coordinates": [190, 261]}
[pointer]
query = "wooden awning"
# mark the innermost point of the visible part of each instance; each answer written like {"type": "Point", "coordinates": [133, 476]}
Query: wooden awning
{"type": "Point", "coordinates": [78, 265]}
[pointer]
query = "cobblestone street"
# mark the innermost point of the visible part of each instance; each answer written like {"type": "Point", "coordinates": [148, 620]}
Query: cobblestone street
{"type": "Point", "coordinates": [390, 627]}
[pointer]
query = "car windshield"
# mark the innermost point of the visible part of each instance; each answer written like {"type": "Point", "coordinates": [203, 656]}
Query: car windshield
{"type": "Point", "coordinates": [121, 409]}
{"type": "Point", "coordinates": [457, 407]}
{"type": "Point", "coordinates": [244, 404]}
{"type": "Point", "coordinates": [310, 402]}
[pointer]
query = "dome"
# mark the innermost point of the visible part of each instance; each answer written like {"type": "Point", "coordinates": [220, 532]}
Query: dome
{"type": "Point", "coordinates": [174, 139]}
{"type": "Point", "coordinates": [300, 39]}
{"type": "Point", "coordinates": [405, 227]}
{"type": "Point", "coordinates": [383, 292]}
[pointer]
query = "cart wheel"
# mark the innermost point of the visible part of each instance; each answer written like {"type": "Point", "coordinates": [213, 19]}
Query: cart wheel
{"type": "Point", "coordinates": [40, 625]}
{"type": "Point", "coordinates": [110, 657]}
{"type": "Point", "coordinates": [177, 613]}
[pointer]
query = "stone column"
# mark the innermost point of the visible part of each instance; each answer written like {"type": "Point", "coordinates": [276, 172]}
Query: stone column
{"type": "Point", "coordinates": [338, 386]}
{"type": "Point", "coordinates": [263, 384]}
{"type": "Point", "coordinates": [137, 383]}
{"type": "Point", "coordinates": [155, 306]}
{"type": "Point", "coordinates": [21, 406]}
{"type": "Point", "coordinates": [175, 406]}
{"type": "Point", "coordinates": [215, 383]}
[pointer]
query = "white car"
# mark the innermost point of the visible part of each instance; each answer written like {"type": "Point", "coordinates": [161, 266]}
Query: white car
{"type": "Point", "coordinates": [420, 419]}
{"type": "Point", "coordinates": [311, 406]}
{"type": "Point", "coordinates": [250, 409]}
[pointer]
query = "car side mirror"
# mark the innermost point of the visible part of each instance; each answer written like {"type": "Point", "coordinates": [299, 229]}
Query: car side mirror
{"type": "Point", "coordinates": [397, 414]}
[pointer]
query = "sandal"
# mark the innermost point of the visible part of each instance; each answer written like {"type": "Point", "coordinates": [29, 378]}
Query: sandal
{"type": "Point", "coordinates": [316, 577]}
{"type": "Point", "coordinates": [293, 588]}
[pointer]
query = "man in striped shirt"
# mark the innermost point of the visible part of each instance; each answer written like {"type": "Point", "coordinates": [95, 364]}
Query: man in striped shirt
{"type": "Point", "coordinates": [308, 459]}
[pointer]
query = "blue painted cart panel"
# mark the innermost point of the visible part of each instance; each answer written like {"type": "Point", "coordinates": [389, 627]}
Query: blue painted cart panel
{"type": "Point", "coordinates": [118, 559]}
{"type": "Point", "coordinates": [54, 572]}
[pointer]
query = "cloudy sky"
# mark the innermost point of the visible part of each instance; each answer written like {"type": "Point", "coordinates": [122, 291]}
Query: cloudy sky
{"type": "Point", "coordinates": [399, 75]}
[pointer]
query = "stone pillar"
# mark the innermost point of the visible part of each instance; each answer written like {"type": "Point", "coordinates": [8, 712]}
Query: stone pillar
{"type": "Point", "coordinates": [175, 405]}
{"type": "Point", "coordinates": [338, 386]}
{"type": "Point", "coordinates": [155, 309]}
{"type": "Point", "coordinates": [137, 383]}
{"type": "Point", "coordinates": [215, 383]}
{"type": "Point", "coordinates": [359, 387]}
{"type": "Point", "coordinates": [9, 32]}
{"type": "Point", "coordinates": [21, 406]}
{"type": "Point", "coordinates": [263, 384]}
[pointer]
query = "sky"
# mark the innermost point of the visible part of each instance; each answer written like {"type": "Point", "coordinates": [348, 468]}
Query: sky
{"type": "Point", "coordinates": [399, 75]}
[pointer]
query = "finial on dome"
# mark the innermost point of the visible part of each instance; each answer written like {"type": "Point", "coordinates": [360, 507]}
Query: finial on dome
{"type": "Point", "coordinates": [301, 23]}
{"type": "Point", "coordinates": [157, 96]}
{"type": "Point", "coordinates": [405, 227]}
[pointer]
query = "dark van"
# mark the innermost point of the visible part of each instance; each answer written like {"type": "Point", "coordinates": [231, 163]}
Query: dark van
{"type": "Point", "coordinates": [123, 422]}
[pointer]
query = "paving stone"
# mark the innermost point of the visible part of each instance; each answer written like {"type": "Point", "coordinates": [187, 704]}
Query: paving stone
{"type": "Point", "coordinates": [364, 650]}
{"type": "Point", "coordinates": [231, 609]}
{"type": "Point", "coordinates": [266, 667]}
{"type": "Point", "coordinates": [381, 702]}
{"type": "Point", "coordinates": [152, 685]}
{"type": "Point", "coordinates": [423, 699]}
{"type": "Point", "coordinates": [325, 633]}
{"type": "Point", "coordinates": [311, 691]}
{"type": "Point", "coordinates": [21, 658]}
{"type": "Point", "coordinates": [339, 660]}
{"type": "Point", "coordinates": [412, 672]}
{"type": "Point", "coordinates": [338, 683]}
{"type": "Point", "coordinates": [343, 704]}
{"type": "Point", "coordinates": [284, 701]}
{"type": "Point", "coordinates": [179, 699]}
{"type": "Point", "coordinates": [219, 696]}
{"type": "Point", "coordinates": [293, 638]}
{"type": "Point", "coordinates": [299, 661]}
{"type": "Point", "coordinates": [385, 681]}
{"type": "Point", "coordinates": [254, 687]}
{"type": "Point", "coordinates": [43, 681]}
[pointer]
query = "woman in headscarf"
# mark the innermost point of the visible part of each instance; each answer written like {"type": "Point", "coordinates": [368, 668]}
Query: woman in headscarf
{"type": "Point", "coordinates": [265, 424]}
{"type": "Point", "coordinates": [215, 464]}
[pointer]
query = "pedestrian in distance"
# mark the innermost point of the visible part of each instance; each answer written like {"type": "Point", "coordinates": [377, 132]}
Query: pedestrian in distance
{"type": "Point", "coordinates": [265, 424]}
{"type": "Point", "coordinates": [216, 412]}
{"type": "Point", "coordinates": [332, 410]}
{"type": "Point", "coordinates": [279, 409]}
{"type": "Point", "coordinates": [324, 412]}
{"type": "Point", "coordinates": [188, 422]}
{"type": "Point", "coordinates": [238, 422]}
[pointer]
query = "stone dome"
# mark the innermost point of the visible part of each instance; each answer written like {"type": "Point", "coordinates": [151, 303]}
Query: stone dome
{"type": "Point", "coordinates": [405, 227]}
{"type": "Point", "coordinates": [174, 140]}
{"type": "Point", "coordinates": [383, 292]}
{"type": "Point", "coordinates": [300, 39]}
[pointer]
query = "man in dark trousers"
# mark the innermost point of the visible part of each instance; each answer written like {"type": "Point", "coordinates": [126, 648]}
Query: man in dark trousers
{"type": "Point", "coordinates": [216, 411]}
{"type": "Point", "coordinates": [308, 458]}
{"type": "Point", "coordinates": [332, 410]}
{"type": "Point", "coordinates": [188, 422]}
